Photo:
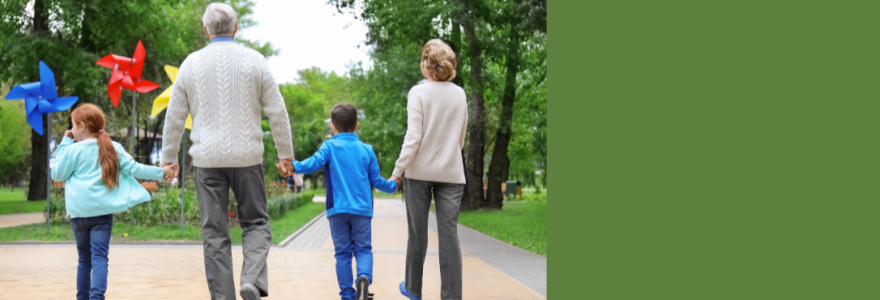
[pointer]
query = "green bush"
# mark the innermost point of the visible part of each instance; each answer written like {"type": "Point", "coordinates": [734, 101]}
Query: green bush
{"type": "Point", "coordinates": [534, 197]}
{"type": "Point", "coordinates": [280, 205]}
{"type": "Point", "coordinates": [165, 207]}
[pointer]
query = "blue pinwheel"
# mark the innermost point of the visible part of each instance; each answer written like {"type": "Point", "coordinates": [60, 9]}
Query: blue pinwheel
{"type": "Point", "coordinates": [40, 98]}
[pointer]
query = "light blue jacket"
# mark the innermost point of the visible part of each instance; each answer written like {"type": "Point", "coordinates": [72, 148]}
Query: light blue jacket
{"type": "Point", "coordinates": [350, 168]}
{"type": "Point", "coordinates": [84, 192]}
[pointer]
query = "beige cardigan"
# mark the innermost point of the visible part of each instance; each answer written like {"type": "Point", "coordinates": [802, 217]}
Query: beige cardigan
{"type": "Point", "coordinates": [436, 126]}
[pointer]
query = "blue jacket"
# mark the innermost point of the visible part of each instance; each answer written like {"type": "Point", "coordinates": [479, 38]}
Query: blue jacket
{"type": "Point", "coordinates": [350, 168]}
{"type": "Point", "coordinates": [84, 192]}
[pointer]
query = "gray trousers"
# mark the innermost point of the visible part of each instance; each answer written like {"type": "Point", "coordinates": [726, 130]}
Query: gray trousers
{"type": "Point", "coordinates": [212, 185]}
{"type": "Point", "coordinates": [447, 197]}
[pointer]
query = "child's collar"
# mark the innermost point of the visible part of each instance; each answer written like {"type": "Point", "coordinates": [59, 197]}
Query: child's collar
{"type": "Point", "coordinates": [347, 136]}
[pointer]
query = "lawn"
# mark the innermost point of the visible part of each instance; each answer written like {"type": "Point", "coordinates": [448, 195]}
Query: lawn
{"type": "Point", "coordinates": [520, 223]}
{"type": "Point", "coordinates": [281, 228]}
{"type": "Point", "coordinates": [15, 202]}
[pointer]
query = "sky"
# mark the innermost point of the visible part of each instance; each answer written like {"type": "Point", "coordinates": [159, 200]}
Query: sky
{"type": "Point", "coordinates": [308, 33]}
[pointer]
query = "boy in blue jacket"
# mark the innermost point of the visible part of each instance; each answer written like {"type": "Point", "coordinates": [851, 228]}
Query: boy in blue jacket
{"type": "Point", "coordinates": [350, 169]}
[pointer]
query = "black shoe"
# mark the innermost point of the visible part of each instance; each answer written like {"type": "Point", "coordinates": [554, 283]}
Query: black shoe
{"type": "Point", "coordinates": [363, 289]}
{"type": "Point", "coordinates": [249, 292]}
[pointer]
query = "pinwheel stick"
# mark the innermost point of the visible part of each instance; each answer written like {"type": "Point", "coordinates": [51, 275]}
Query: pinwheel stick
{"type": "Point", "coordinates": [131, 150]}
{"type": "Point", "coordinates": [48, 171]}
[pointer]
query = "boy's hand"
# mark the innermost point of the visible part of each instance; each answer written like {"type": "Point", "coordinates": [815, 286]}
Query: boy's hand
{"type": "Point", "coordinates": [285, 167]}
{"type": "Point", "coordinates": [397, 179]}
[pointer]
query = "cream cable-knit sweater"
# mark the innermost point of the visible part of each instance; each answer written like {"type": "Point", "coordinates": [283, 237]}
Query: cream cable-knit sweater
{"type": "Point", "coordinates": [224, 86]}
{"type": "Point", "coordinates": [436, 126]}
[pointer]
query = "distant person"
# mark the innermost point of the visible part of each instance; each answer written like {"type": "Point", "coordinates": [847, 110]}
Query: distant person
{"type": "Point", "coordinates": [224, 86]}
{"type": "Point", "coordinates": [99, 180]}
{"type": "Point", "coordinates": [298, 181]}
{"type": "Point", "coordinates": [291, 184]}
{"type": "Point", "coordinates": [431, 157]}
{"type": "Point", "coordinates": [351, 169]}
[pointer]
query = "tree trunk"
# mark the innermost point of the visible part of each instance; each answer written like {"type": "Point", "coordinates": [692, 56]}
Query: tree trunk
{"type": "Point", "coordinates": [455, 41]}
{"type": "Point", "coordinates": [37, 186]}
{"type": "Point", "coordinates": [473, 195]}
{"type": "Point", "coordinates": [500, 163]}
{"type": "Point", "coordinates": [40, 156]}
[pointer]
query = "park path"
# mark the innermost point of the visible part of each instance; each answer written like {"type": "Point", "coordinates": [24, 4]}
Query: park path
{"type": "Point", "coordinates": [12, 220]}
{"type": "Point", "coordinates": [303, 269]}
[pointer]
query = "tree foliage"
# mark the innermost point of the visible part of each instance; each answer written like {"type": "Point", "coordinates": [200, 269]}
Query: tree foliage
{"type": "Point", "coordinates": [506, 88]}
{"type": "Point", "coordinates": [71, 35]}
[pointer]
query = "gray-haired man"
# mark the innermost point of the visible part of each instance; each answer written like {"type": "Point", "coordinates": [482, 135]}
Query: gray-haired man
{"type": "Point", "coordinates": [224, 86]}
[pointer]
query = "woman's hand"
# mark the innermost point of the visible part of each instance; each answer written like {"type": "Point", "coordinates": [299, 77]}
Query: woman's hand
{"type": "Point", "coordinates": [70, 135]}
{"type": "Point", "coordinates": [395, 178]}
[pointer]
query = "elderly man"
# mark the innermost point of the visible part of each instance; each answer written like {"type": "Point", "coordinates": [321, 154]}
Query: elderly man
{"type": "Point", "coordinates": [224, 86]}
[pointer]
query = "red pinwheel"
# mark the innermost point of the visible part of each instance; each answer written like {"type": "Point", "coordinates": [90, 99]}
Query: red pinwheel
{"type": "Point", "coordinates": [126, 74]}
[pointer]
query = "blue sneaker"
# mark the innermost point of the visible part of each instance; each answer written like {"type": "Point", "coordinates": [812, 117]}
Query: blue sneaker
{"type": "Point", "coordinates": [405, 293]}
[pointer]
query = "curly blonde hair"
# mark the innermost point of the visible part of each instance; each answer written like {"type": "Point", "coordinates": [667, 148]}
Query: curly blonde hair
{"type": "Point", "coordinates": [439, 59]}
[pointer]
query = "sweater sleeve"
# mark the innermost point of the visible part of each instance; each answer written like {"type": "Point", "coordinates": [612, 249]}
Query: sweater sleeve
{"type": "Point", "coordinates": [413, 134]}
{"type": "Point", "coordinates": [175, 117]}
{"type": "Point", "coordinates": [273, 106]}
{"type": "Point", "coordinates": [129, 166]}
{"type": "Point", "coordinates": [63, 164]}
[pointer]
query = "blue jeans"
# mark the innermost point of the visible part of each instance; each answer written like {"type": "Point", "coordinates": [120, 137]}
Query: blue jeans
{"type": "Point", "coordinates": [92, 243]}
{"type": "Point", "coordinates": [351, 235]}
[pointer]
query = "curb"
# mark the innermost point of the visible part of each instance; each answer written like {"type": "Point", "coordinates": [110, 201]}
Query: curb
{"type": "Point", "coordinates": [144, 242]}
{"type": "Point", "coordinates": [301, 230]}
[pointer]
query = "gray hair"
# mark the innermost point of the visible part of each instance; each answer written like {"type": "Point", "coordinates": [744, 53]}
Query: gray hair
{"type": "Point", "coordinates": [219, 19]}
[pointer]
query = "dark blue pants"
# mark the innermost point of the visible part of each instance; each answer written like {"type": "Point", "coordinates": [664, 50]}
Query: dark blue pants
{"type": "Point", "coordinates": [92, 243]}
{"type": "Point", "coordinates": [352, 235]}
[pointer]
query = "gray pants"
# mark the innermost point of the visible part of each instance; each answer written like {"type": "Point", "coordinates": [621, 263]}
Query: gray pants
{"type": "Point", "coordinates": [212, 185]}
{"type": "Point", "coordinates": [447, 197]}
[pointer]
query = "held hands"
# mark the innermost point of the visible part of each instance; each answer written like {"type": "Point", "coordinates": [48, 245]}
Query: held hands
{"type": "Point", "coordinates": [285, 166]}
{"type": "Point", "coordinates": [171, 171]}
{"type": "Point", "coordinates": [395, 178]}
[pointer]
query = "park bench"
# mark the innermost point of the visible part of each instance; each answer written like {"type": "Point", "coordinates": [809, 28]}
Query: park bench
{"type": "Point", "coordinates": [150, 186]}
{"type": "Point", "coordinates": [512, 194]}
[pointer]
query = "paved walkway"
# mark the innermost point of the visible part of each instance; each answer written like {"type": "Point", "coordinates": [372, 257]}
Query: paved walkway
{"type": "Point", "coordinates": [303, 269]}
{"type": "Point", "coordinates": [13, 220]}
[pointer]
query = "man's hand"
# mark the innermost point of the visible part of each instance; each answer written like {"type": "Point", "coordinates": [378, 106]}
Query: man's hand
{"type": "Point", "coordinates": [173, 167]}
{"type": "Point", "coordinates": [285, 166]}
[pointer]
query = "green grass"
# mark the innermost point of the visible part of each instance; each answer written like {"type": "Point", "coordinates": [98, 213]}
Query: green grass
{"type": "Point", "coordinates": [281, 228]}
{"type": "Point", "coordinates": [6, 194]}
{"type": "Point", "coordinates": [15, 202]}
{"type": "Point", "coordinates": [519, 223]}
{"type": "Point", "coordinates": [288, 224]}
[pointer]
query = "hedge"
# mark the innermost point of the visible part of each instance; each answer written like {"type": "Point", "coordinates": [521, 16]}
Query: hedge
{"type": "Point", "coordinates": [165, 207]}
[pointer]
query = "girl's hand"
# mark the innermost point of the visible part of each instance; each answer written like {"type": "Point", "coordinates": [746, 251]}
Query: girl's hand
{"type": "Point", "coordinates": [169, 173]}
{"type": "Point", "coordinates": [69, 134]}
